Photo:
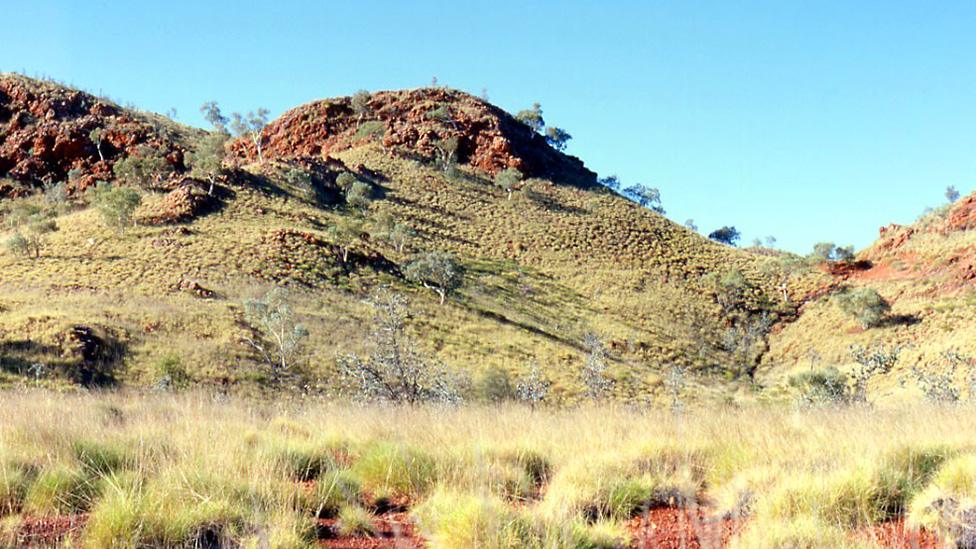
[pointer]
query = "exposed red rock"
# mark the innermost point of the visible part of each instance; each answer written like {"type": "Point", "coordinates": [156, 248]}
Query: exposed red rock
{"type": "Point", "coordinates": [962, 216]}
{"type": "Point", "coordinates": [891, 237]}
{"type": "Point", "coordinates": [45, 133]}
{"type": "Point", "coordinates": [414, 122]}
{"type": "Point", "coordinates": [181, 204]}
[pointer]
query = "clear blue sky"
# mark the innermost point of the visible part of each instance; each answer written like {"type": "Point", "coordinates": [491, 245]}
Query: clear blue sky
{"type": "Point", "coordinates": [809, 121]}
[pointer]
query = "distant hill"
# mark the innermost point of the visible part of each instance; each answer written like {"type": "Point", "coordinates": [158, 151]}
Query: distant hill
{"type": "Point", "coordinates": [560, 257]}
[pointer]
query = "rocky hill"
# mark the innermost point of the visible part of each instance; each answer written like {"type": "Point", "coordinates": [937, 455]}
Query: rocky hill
{"type": "Point", "coordinates": [48, 130]}
{"type": "Point", "coordinates": [554, 260]}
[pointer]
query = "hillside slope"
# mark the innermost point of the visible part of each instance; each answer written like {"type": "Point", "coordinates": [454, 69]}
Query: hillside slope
{"type": "Point", "coordinates": [561, 257]}
{"type": "Point", "coordinates": [926, 271]}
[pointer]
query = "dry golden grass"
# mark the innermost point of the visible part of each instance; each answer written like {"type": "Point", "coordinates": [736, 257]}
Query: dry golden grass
{"type": "Point", "coordinates": [170, 469]}
{"type": "Point", "coordinates": [933, 312]}
{"type": "Point", "coordinates": [543, 269]}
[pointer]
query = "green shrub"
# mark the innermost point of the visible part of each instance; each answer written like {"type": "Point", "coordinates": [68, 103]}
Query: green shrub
{"type": "Point", "coordinates": [132, 515]}
{"type": "Point", "coordinates": [61, 491]}
{"type": "Point", "coordinates": [494, 384]}
{"type": "Point", "coordinates": [371, 129]}
{"type": "Point", "coordinates": [948, 504]}
{"type": "Point", "coordinates": [455, 520]}
{"type": "Point", "coordinates": [864, 304]}
{"type": "Point", "coordinates": [15, 481]}
{"type": "Point", "coordinates": [353, 520]}
{"type": "Point", "coordinates": [820, 386]}
{"type": "Point", "coordinates": [170, 374]}
{"type": "Point", "coordinates": [102, 458]}
{"type": "Point", "coordinates": [116, 204]}
{"type": "Point", "coordinates": [398, 469]}
{"type": "Point", "coordinates": [301, 461]}
{"type": "Point", "coordinates": [333, 491]}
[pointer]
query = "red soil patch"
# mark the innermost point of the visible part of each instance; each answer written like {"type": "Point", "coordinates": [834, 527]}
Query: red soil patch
{"type": "Point", "coordinates": [897, 535]}
{"type": "Point", "coordinates": [393, 530]}
{"type": "Point", "coordinates": [48, 531]}
{"type": "Point", "coordinates": [673, 528]}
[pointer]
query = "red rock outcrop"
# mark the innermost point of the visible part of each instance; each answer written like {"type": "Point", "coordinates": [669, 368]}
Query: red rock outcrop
{"type": "Point", "coordinates": [45, 132]}
{"type": "Point", "coordinates": [962, 216]}
{"type": "Point", "coordinates": [415, 122]}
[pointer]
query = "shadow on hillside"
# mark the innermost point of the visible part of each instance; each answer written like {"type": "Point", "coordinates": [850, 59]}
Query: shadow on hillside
{"type": "Point", "coordinates": [94, 359]}
{"type": "Point", "coordinates": [498, 317]}
{"type": "Point", "coordinates": [19, 356]}
{"type": "Point", "coordinates": [432, 209]}
{"type": "Point", "coordinates": [258, 182]}
{"type": "Point", "coordinates": [552, 204]}
{"type": "Point", "coordinates": [900, 320]}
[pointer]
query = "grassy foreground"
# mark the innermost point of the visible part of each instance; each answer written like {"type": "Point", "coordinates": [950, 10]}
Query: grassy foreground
{"type": "Point", "coordinates": [191, 470]}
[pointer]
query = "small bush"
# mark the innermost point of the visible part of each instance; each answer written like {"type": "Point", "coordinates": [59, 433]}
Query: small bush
{"type": "Point", "coordinates": [15, 481]}
{"type": "Point", "coordinates": [60, 491]}
{"type": "Point", "coordinates": [459, 521]}
{"type": "Point", "coordinates": [302, 461]}
{"type": "Point", "coordinates": [821, 386]}
{"type": "Point", "coordinates": [133, 515]}
{"type": "Point", "coordinates": [355, 521]}
{"type": "Point", "coordinates": [333, 490]}
{"type": "Point", "coordinates": [116, 204]}
{"type": "Point", "coordinates": [374, 129]}
{"type": "Point", "coordinates": [359, 196]}
{"type": "Point", "coordinates": [494, 384]}
{"type": "Point", "coordinates": [18, 245]}
{"type": "Point", "coordinates": [397, 469]}
{"type": "Point", "coordinates": [864, 304]}
{"type": "Point", "coordinates": [169, 374]}
{"type": "Point", "coordinates": [948, 505]}
{"type": "Point", "coordinates": [102, 458]}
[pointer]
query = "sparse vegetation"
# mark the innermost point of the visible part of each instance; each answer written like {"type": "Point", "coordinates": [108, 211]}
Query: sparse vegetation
{"type": "Point", "coordinates": [437, 271]}
{"type": "Point", "coordinates": [508, 180]}
{"type": "Point", "coordinates": [726, 235]}
{"type": "Point", "coordinates": [116, 204]}
{"type": "Point", "coordinates": [251, 126]}
{"type": "Point", "coordinates": [146, 167]}
{"type": "Point", "coordinates": [864, 304]}
{"type": "Point", "coordinates": [281, 337]}
{"type": "Point", "coordinates": [396, 370]}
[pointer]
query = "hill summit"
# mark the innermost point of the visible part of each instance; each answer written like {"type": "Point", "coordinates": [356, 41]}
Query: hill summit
{"type": "Point", "coordinates": [420, 122]}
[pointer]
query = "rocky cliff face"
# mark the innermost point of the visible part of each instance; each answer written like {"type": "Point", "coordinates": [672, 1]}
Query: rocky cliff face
{"type": "Point", "coordinates": [46, 131]}
{"type": "Point", "coordinates": [418, 122]}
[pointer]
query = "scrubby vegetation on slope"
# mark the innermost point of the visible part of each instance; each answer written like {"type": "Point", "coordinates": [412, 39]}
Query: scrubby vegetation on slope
{"type": "Point", "coordinates": [333, 213]}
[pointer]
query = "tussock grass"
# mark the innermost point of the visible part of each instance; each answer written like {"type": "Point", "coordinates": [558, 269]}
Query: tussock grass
{"type": "Point", "coordinates": [184, 469]}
